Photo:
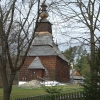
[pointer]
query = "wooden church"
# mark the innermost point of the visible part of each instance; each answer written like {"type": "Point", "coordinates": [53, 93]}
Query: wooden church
{"type": "Point", "coordinates": [44, 60]}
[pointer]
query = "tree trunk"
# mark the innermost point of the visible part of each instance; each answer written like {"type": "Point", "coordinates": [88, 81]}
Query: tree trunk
{"type": "Point", "coordinates": [6, 93]}
{"type": "Point", "coordinates": [7, 84]}
{"type": "Point", "coordinates": [92, 65]}
{"type": "Point", "coordinates": [92, 51]}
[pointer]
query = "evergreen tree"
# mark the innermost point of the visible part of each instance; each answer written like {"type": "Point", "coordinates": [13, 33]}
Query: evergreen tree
{"type": "Point", "coordinates": [92, 83]}
{"type": "Point", "coordinates": [79, 56]}
{"type": "Point", "coordinates": [82, 64]}
{"type": "Point", "coordinates": [70, 53]}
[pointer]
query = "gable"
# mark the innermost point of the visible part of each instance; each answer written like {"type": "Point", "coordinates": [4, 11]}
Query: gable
{"type": "Point", "coordinates": [75, 72]}
{"type": "Point", "coordinates": [36, 64]}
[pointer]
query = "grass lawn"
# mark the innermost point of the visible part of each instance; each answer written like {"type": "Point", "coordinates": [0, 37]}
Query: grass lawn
{"type": "Point", "coordinates": [23, 92]}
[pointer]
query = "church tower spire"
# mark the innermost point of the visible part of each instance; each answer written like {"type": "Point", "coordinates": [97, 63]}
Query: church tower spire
{"type": "Point", "coordinates": [44, 25]}
{"type": "Point", "coordinates": [44, 13]}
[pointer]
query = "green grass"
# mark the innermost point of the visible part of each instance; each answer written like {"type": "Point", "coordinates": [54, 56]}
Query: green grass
{"type": "Point", "coordinates": [23, 92]}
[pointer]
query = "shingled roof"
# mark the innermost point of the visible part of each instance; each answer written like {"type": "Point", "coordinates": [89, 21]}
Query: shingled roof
{"type": "Point", "coordinates": [43, 45]}
{"type": "Point", "coordinates": [36, 64]}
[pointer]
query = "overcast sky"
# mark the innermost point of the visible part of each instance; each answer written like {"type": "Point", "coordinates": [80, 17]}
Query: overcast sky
{"type": "Point", "coordinates": [65, 32]}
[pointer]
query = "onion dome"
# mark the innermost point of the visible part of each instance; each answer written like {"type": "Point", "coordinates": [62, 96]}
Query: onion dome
{"type": "Point", "coordinates": [44, 14]}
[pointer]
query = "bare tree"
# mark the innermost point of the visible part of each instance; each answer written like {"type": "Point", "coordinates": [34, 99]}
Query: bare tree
{"type": "Point", "coordinates": [18, 22]}
{"type": "Point", "coordinates": [85, 15]}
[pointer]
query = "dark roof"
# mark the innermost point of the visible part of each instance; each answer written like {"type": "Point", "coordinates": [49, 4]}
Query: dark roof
{"type": "Point", "coordinates": [43, 45]}
{"type": "Point", "coordinates": [77, 77]}
{"type": "Point", "coordinates": [36, 64]}
{"type": "Point", "coordinates": [41, 50]}
{"type": "Point", "coordinates": [43, 38]}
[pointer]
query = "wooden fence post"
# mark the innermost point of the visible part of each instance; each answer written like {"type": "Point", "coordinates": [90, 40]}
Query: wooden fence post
{"type": "Point", "coordinates": [60, 96]}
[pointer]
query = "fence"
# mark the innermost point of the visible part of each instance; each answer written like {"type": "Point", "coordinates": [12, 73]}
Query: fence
{"type": "Point", "coordinates": [62, 96]}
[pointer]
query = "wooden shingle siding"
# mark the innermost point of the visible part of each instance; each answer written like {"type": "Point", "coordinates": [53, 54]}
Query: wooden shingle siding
{"type": "Point", "coordinates": [62, 70]}
{"type": "Point", "coordinates": [57, 69]}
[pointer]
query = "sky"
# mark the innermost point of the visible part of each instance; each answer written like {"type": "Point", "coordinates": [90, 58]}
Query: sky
{"type": "Point", "coordinates": [66, 32]}
{"type": "Point", "coordinates": [71, 32]}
